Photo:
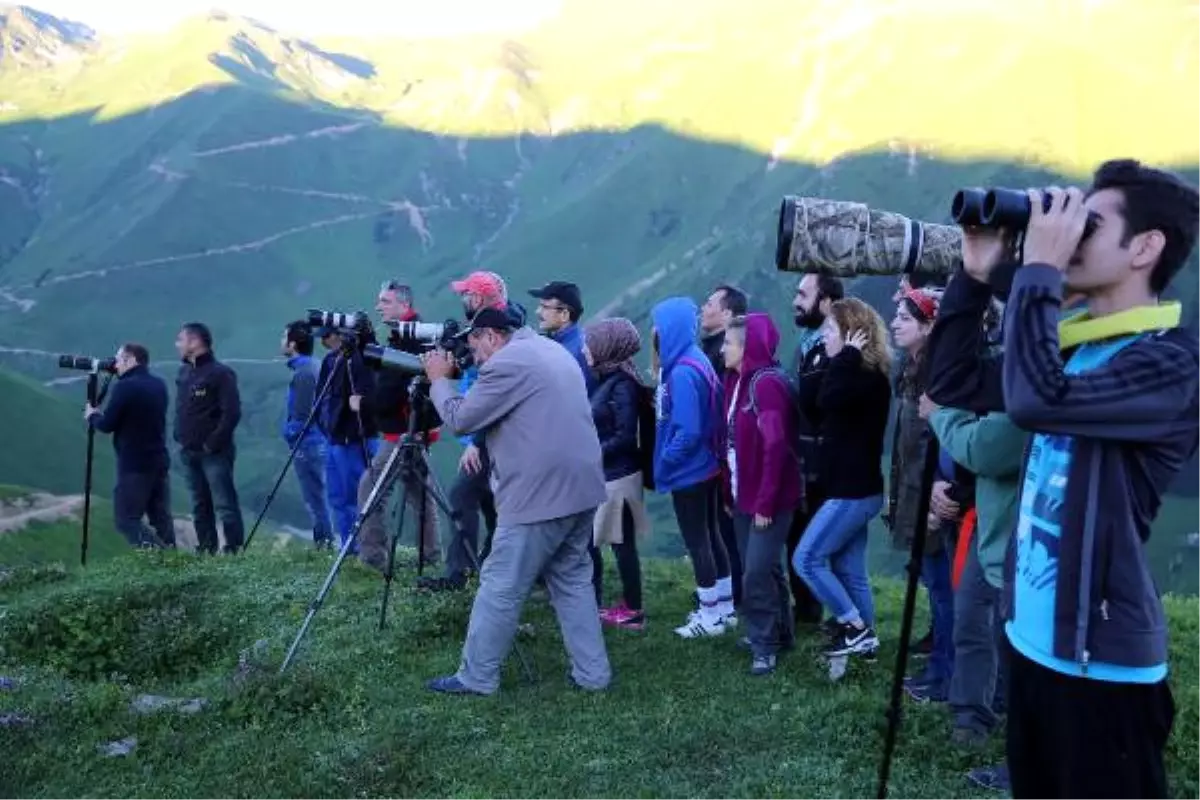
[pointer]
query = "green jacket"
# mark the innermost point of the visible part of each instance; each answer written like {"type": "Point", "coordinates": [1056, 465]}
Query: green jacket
{"type": "Point", "coordinates": [993, 448]}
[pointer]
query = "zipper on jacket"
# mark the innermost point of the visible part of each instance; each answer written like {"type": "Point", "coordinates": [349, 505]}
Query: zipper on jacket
{"type": "Point", "coordinates": [1084, 662]}
{"type": "Point", "coordinates": [1104, 610]}
{"type": "Point", "coordinates": [1084, 610]}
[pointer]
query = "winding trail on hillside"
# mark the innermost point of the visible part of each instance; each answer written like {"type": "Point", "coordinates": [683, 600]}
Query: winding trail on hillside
{"type": "Point", "coordinates": [46, 508]}
{"type": "Point", "coordinates": [416, 216]}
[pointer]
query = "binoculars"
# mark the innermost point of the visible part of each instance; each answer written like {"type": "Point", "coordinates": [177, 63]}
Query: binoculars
{"type": "Point", "coordinates": [1001, 208]}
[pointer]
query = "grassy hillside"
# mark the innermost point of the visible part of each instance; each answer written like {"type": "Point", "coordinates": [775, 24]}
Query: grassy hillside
{"type": "Point", "coordinates": [227, 172]}
{"type": "Point", "coordinates": [45, 439]}
{"type": "Point", "coordinates": [683, 719]}
{"type": "Point", "coordinates": [57, 542]}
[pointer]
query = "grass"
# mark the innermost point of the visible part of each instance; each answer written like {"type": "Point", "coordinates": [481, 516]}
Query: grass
{"type": "Point", "coordinates": [44, 543]}
{"type": "Point", "coordinates": [351, 718]}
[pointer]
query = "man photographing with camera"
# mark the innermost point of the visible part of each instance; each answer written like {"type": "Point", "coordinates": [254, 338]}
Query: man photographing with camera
{"type": "Point", "coordinates": [529, 401]}
{"type": "Point", "coordinates": [1111, 398]}
{"type": "Point", "coordinates": [136, 416]}
{"type": "Point", "coordinates": [390, 406]}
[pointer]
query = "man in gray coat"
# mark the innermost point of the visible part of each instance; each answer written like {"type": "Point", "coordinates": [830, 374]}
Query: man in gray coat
{"type": "Point", "coordinates": [532, 406]}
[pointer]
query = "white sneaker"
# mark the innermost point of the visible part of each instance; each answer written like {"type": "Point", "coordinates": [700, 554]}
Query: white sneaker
{"type": "Point", "coordinates": [698, 625]}
{"type": "Point", "coordinates": [730, 620]}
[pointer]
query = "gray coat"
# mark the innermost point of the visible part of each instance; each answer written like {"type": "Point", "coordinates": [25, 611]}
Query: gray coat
{"type": "Point", "coordinates": [531, 403]}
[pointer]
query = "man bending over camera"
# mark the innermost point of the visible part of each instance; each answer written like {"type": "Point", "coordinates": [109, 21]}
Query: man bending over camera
{"type": "Point", "coordinates": [530, 402]}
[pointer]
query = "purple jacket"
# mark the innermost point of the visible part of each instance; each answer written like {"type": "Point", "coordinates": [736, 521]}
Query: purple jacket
{"type": "Point", "coordinates": [768, 470]}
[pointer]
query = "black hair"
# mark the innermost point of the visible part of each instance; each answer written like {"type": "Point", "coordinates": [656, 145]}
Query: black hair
{"type": "Point", "coordinates": [925, 280]}
{"type": "Point", "coordinates": [831, 287]}
{"type": "Point", "coordinates": [733, 299]}
{"type": "Point", "coordinates": [137, 352]}
{"type": "Point", "coordinates": [1154, 200]}
{"type": "Point", "coordinates": [201, 332]}
{"type": "Point", "coordinates": [299, 333]}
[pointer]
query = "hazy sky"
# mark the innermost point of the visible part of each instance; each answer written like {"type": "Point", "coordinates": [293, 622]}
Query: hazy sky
{"type": "Point", "coordinates": [311, 17]}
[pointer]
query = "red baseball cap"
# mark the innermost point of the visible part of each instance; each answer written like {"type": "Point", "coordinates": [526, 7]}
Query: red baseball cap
{"type": "Point", "coordinates": [487, 285]}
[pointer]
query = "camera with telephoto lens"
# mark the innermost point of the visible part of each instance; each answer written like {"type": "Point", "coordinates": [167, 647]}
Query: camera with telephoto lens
{"type": "Point", "coordinates": [88, 364]}
{"type": "Point", "coordinates": [355, 328]}
{"type": "Point", "coordinates": [428, 336]}
{"type": "Point", "coordinates": [1009, 209]}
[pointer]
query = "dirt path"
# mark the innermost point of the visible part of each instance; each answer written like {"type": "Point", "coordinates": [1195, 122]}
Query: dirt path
{"type": "Point", "coordinates": [38, 507]}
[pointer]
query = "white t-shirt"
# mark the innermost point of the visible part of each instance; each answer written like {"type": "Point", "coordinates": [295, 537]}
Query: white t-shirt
{"type": "Point", "coordinates": [731, 451]}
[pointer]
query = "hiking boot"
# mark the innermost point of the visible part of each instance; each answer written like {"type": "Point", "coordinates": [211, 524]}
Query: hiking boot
{"type": "Point", "coordinates": [852, 641]}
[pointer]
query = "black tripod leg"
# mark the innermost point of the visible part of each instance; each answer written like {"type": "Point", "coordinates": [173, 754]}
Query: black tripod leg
{"type": "Point", "coordinates": [368, 508]}
{"type": "Point", "coordinates": [916, 555]}
{"type": "Point", "coordinates": [390, 572]}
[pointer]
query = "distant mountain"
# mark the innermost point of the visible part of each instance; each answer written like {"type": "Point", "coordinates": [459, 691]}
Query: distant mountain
{"type": "Point", "coordinates": [33, 39]}
{"type": "Point", "coordinates": [230, 172]}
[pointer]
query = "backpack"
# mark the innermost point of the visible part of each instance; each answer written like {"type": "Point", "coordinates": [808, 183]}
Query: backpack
{"type": "Point", "coordinates": [793, 404]}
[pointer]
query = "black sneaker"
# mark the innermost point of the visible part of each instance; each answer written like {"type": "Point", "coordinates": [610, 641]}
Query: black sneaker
{"type": "Point", "coordinates": [852, 640]}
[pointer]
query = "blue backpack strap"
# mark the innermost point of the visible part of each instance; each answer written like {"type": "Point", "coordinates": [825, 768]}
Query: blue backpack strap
{"type": "Point", "coordinates": [714, 402]}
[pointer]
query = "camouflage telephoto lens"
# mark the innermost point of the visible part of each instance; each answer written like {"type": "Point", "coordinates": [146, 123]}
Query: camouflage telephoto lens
{"type": "Point", "coordinates": [849, 240]}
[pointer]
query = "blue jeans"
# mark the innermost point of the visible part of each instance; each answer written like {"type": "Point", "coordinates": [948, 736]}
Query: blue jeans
{"type": "Point", "coordinates": [209, 478]}
{"type": "Point", "coordinates": [832, 557]}
{"type": "Point", "coordinates": [344, 467]}
{"type": "Point", "coordinates": [935, 574]}
{"type": "Point", "coordinates": [310, 474]}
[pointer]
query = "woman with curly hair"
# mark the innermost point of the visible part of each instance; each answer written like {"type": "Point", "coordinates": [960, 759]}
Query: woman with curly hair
{"type": "Point", "coordinates": [848, 404]}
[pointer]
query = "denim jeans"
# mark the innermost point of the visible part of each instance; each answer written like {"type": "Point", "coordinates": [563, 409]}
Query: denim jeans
{"type": "Point", "coordinates": [832, 557]}
{"type": "Point", "coordinates": [209, 478]}
{"type": "Point", "coordinates": [310, 474]}
{"type": "Point", "coordinates": [977, 684]}
{"type": "Point", "coordinates": [144, 494]}
{"type": "Point", "coordinates": [935, 574]}
{"type": "Point", "coordinates": [766, 607]}
{"type": "Point", "coordinates": [344, 468]}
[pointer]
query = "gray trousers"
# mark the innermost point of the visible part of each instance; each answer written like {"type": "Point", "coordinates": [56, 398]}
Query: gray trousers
{"type": "Point", "coordinates": [373, 538]}
{"type": "Point", "coordinates": [558, 550]}
{"type": "Point", "coordinates": [977, 634]}
{"type": "Point", "coordinates": [766, 609]}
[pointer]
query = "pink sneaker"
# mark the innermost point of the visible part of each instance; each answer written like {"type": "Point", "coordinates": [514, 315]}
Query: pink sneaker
{"type": "Point", "coordinates": [628, 619]}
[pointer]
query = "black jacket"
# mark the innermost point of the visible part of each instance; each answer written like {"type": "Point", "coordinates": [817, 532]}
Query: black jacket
{"type": "Point", "coordinates": [136, 416]}
{"type": "Point", "coordinates": [964, 370]}
{"type": "Point", "coordinates": [810, 370]}
{"type": "Point", "coordinates": [207, 406]}
{"type": "Point", "coordinates": [615, 412]}
{"type": "Point", "coordinates": [390, 401]}
{"type": "Point", "coordinates": [338, 422]}
{"type": "Point", "coordinates": [711, 345]}
{"type": "Point", "coordinates": [846, 407]}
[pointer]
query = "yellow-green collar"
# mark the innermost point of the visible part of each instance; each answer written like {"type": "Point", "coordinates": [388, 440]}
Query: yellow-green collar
{"type": "Point", "coordinates": [1081, 328]}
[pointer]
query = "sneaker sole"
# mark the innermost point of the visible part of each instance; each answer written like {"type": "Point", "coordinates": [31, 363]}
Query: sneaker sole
{"type": "Point", "coordinates": [858, 648]}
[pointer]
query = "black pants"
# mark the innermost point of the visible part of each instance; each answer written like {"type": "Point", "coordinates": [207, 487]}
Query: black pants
{"type": "Point", "coordinates": [807, 607]}
{"type": "Point", "coordinates": [144, 494]}
{"type": "Point", "coordinates": [733, 549]}
{"type": "Point", "coordinates": [696, 513]}
{"type": "Point", "coordinates": [1080, 737]}
{"type": "Point", "coordinates": [469, 496]}
{"type": "Point", "coordinates": [629, 566]}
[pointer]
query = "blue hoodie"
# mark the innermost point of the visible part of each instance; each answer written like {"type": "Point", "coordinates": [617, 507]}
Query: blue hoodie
{"type": "Point", "coordinates": [689, 401]}
{"type": "Point", "coordinates": [571, 337]}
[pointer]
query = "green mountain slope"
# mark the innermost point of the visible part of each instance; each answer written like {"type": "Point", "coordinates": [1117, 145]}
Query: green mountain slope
{"type": "Point", "coordinates": [225, 171]}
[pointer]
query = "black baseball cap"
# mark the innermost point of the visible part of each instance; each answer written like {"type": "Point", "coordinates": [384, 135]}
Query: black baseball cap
{"type": "Point", "coordinates": [494, 318]}
{"type": "Point", "coordinates": [565, 293]}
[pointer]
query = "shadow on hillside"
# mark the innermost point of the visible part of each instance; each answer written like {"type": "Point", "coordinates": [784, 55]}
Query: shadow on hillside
{"type": "Point", "coordinates": [243, 209]}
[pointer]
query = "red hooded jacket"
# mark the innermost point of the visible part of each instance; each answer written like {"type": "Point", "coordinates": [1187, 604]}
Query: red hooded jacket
{"type": "Point", "coordinates": [768, 470]}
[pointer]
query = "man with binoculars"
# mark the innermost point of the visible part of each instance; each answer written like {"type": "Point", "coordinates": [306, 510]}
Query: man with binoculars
{"type": "Point", "coordinates": [1111, 399]}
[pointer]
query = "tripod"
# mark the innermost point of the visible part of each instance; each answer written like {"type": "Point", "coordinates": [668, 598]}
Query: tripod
{"type": "Point", "coordinates": [915, 556]}
{"type": "Point", "coordinates": [342, 361]}
{"type": "Point", "coordinates": [409, 464]}
{"type": "Point", "coordinates": [95, 396]}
